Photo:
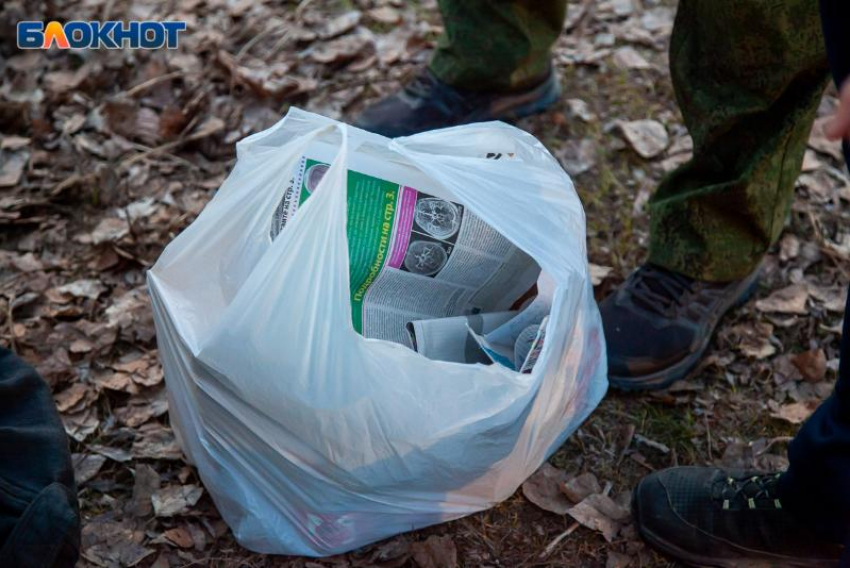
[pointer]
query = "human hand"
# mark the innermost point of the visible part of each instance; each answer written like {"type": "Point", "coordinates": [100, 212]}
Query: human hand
{"type": "Point", "coordinates": [839, 126]}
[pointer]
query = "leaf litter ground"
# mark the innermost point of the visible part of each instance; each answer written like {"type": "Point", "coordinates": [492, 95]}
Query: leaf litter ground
{"type": "Point", "coordinates": [106, 155]}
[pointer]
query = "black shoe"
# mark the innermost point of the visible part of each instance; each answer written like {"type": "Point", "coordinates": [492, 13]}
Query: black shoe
{"type": "Point", "coordinates": [428, 103]}
{"type": "Point", "coordinates": [709, 517]}
{"type": "Point", "coordinates": [659, 323]}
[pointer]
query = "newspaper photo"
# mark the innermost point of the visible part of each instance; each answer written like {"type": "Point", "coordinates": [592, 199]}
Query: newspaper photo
{"type": "Point", "coordinates": [413, 255]}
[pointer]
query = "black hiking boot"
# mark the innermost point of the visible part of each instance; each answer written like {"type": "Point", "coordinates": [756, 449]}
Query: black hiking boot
{"type": "Point", "coordinates": [659, 323]}
{"type": "Point", "coordinates": [706, 516]}
{"type": "Point", "coordinates": [428, 103]}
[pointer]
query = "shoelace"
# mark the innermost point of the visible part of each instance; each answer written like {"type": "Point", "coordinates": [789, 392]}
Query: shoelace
{"type": "Point", "coordinates": [421, 86]}
{"type": "Point", "coordinates": [660, 290]}
{"type": "Point", "coordinates": [754, 492]}
{"type": "Point", "coordinates": [425, 85]}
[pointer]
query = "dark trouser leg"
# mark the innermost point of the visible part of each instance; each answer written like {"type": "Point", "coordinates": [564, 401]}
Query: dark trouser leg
{"type": "Point", "coordinates": [39, 516]}
{"type": "Point", "coordinates": [817, 483]}
{"type": "Point", "coordinates": [748, 76]}
{"type": "Point", "coordinates": [496, 45]}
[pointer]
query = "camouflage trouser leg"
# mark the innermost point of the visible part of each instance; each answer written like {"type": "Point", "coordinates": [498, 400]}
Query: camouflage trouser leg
{"type": "Point", "coordinates": [748, 76]}
{"type": "Point", "coordinates": [496, 44]}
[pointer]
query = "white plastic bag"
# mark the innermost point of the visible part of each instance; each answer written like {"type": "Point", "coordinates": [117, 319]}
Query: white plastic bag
{"type": "Point", "coordinates": [314, 440]}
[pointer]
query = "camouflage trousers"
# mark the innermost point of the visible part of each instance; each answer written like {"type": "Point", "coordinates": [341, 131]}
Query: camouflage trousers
{"type": "Point", "coordinates": [748, 76]}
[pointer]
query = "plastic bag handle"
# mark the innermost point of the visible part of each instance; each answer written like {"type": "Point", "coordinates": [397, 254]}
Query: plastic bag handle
{"type": "Point", "coordinates": [327, 207]}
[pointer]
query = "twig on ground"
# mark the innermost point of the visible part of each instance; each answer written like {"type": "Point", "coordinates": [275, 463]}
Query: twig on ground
{"type": "Point", "coordinates": [133, 91]}
{"type": "Point", "coordinates": [254, 40]}
{"type": "Point", "coordinates": [772, 441]}
{"type": "Point", "coordinates": [630, 434]}
{"type": "Point", "coordinates": [164, 148]}
{"type": "Point", "coordinates": [663, 448]}
{"type": "Point", "coordinates": [12, 345]}
{"type": "Point", "coordinates": [552, 545]}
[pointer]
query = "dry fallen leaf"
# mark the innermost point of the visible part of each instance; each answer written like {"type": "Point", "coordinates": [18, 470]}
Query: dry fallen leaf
{"type": "Point", "coordinates": [598, 273]}
{"type": "Point", "coordinates": [581, 110]}
{"type": "Point", "coordinates": [115, 381]}
{"type": "Point", "coordinates": [87, 288]}
{"type": "Point", "coordinates": [609, 507]}
{"type": "Point", "coordinates": [122, 312]}
{"type": "Point", "coordinates": [789, 247]}
{"type": "Point", "coordinates": [811, 364]}
{"type": "Point", "coordinates": [343, 49]}
{"type": "Point", "coordinates": [108, 543]}
{"type": "Point", "coordinates": [753, 340]}
{"type": "Point", "coordinates": [589, 514]}
{"type": "Point", "coordinates": [581, 486]}
{"type": "Point", "coordinates": [81, 345]}
{"type": "Point", "coordinates": [811, 161]}
{"type": "Point", "coordinates": [146, 484]}
{"type": "Point", "coordinates": [834, 299]}
{"type": "Point", "coordinates": [341, 24]}
{"type": "Point", "coordinates": [108, 230]}
{"type": "Point", "coordinates": [61, 81]}
{"type": "Point", "coordinates": [13, 142]}
{"type": "Point", "coordinates": [126, 118]}
{"type": "Point", "coordinates": [69, 397]}
{"type": "Point", "coordinates": [150, 377]}
{"type": "Point", "coordinates": [740, 454]}
{"type": "Point", "coordinates": [139, 209]}
{"type": "Point", "coordinates": [180, 537]}
{"type": "Point", "coordinates": [199, 537]}
{"type": "Point", "coordinates": [116, 454]}
{"type": "Point", "coordinates": [175, 499]}
{"type": "Point", "coordinates": [658, 20]}
{"type": "Point", "coordinates": [86, 466]}
{"type": "Point", "coordinates": [385, 15]}
{"type": "Point", "coordinates": [142, 407]}
{"type": "Point", "coordinates": [392, 553]}
{"type": "Point", "coordinates": [12, 166]}
{"type": "Point", "coordinates": [276, 81]}
{"type": "Point", "coordinates": [80, 425]}
{"type": "Point", "coordinates": [647, 137]}
{"type": "Point", "coordinates": [154, 441]}
{"type": "Point", "coordinates": [629, 58]}
{"type": "Point", "coordinates": [784, 371]}
{"type": "Point", "coordinates": [819, 141]}
{"type": "Point", "coordinates": [577, 157]}
{"type": "Point", "coordinates": [617, 560]}
{"type": "Point", "coordinates": [789, 300]}
{"type": "Point", "coordinates": [543, 489]}
{"type": "Point", "coordinates": [435, 552]}
{"type": "Point", "coordinates": [796, 412]}
{"type": "Point", "coordinates": [24, 262]}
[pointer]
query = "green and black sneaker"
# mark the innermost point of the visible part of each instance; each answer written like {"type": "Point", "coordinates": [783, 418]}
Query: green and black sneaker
{"type": "Point", "coordinates": [707, 516]}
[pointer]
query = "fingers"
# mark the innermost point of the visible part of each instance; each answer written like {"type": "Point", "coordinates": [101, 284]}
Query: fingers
{"type": "Point", "coordinates": [839, 126]}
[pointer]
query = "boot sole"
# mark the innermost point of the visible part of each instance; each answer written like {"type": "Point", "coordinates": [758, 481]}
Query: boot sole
{"type": "Point", "coordinates": [666, 377]}
{"type": "Point", "coordinates": [518, 106]}
{"type": "Point", "coordinates": [690, 559]}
